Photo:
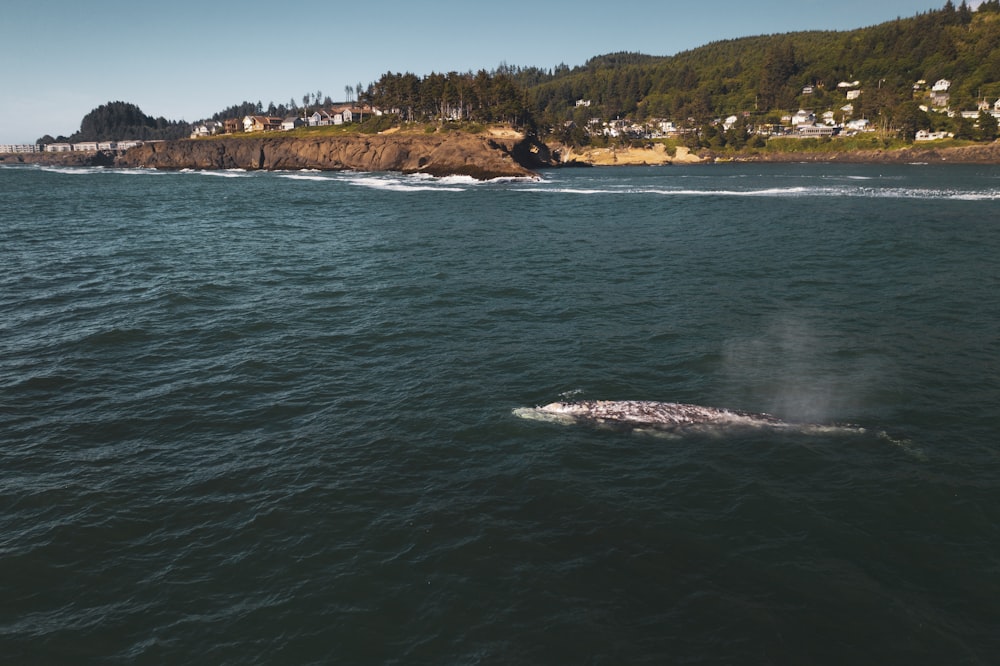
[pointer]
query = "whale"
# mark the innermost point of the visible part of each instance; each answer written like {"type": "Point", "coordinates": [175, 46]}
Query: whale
{"type": "Point", "coordinates": [639, 414]}
{"type": "Point", "coordinates": [674, 420]}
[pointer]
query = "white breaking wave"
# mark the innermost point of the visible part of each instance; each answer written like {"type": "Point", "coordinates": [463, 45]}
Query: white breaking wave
{"type": "Point", "coordinates": [789, 192]}
{"type": "Point", "coordinates": [229, 173]}
{"type": "Point", "coordinates": [303, 176]}
{"type": "Point", "coordinates": [400, 183]}
{"type": "Point", "coordinates": [73, 171]}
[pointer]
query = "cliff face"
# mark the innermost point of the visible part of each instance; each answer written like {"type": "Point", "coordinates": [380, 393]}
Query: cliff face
{"type": "Point", "coordinates": [478, 156]}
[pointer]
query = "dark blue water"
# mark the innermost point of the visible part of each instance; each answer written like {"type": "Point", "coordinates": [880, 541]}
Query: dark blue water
{"type": "Point", "coordinates": [266, 418]}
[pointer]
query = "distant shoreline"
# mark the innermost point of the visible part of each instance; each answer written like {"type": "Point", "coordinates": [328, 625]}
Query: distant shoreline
{"type": "Point", "coordinates": [658, 155]}
{"type": "Point", "coordinates": [480, 156]}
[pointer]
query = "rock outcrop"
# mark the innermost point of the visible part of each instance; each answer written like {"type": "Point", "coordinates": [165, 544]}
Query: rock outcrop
{"type": "Point", "coordinates": [453, 153]}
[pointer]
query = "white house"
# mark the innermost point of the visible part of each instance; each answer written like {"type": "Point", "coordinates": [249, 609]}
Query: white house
{"type": "Point", "coordinates": [942, 85]}
{"type": "Point", "coordinates": [291, 122]}
{"type": "Point", "coordinates": [853, 94]}
{"type": "Point", "coordinates": [803, 117]}
{"type": "Point", "coordinates": [320, 119]}
{"type": "Point", "coordinates": [924, 135]}
{"type": "Point", "coordinates": [207, 128]}
{"type": "Point", "coordinates": [849, 84]}
{"type": "Point", "coordinates": [858, 125]}
{"type": "Point", "coordinates": [814, 130]}
{"type": "Point", "coordinates": [59, 148]}
{"type": "Point", "coordinates": [20, 148]}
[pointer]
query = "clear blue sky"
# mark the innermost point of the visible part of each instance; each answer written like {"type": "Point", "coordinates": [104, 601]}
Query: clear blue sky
{"type": "Point", "coordinates": [186, 60]}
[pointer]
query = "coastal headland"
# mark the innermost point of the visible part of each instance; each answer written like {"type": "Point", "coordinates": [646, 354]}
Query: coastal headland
{"type": "Point", "coordinates": [481, 156]}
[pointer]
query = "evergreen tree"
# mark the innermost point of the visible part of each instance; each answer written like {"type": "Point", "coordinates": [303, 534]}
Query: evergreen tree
{"type": "Point", "coordinates": [987, 126]}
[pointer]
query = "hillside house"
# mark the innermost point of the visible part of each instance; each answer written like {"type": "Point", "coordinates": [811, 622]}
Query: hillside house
{"type": "Point", "coordinates": [940, 100]}
{"type": "Point", "coordinates": [853, 94]}
{"type": "Point", "coordinates": [941, 86]}
{"type": "Point", "coordinates": [351, 114]}
{"type": "Point", "coordinates": [320, 119]}
{"type": "Point", "coordinates": [803, 117]}
{"type": "Point", "coordinates": [261, 124]}
{"type": "Point", "coordinates": [924, 135]}
{"type": "Point", "coordinates": [207, 128]}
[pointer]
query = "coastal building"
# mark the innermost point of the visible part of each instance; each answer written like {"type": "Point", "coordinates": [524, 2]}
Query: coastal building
{"type": "Point", "coordinates": [853, 94]}
{"type": "Point", "coordinates": [261, 123]}
{"type": "Point", "coordinates": [803, 117]}
{"type": "Point", "coordinates": [940, 99]}
{"type": "Point", "coordinates": [20, 148]}
{"type": "Point", "coordinates": [232, 125]}
{"type": "Point", "coordinates": [814, 131]}
{"type": "Point", "coordinates": [59, 148]}
{"type": "Point", "coordinates": [86, 146]}
{"type": "Point", "coordinates": [924, 135]}
{"type": "Point", "coordinates": [207, 128]}
{"type": "Point", "coordinates": [291, 122]}
{"type": "Point", "coordinates": [319, 119]}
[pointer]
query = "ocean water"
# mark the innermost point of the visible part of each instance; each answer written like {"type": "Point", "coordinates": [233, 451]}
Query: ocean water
{"type": "Point", "coordinates": [267, 418]}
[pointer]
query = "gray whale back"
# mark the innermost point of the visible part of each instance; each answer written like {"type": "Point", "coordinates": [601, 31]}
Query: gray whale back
{"type": "Point", "coordinates": [674, 419]}
{"type": "Point", "coordinates": [645, 414]}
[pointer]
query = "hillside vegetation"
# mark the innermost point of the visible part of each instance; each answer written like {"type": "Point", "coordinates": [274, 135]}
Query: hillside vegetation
{"type": "Point", "coordinates": [764, 76]}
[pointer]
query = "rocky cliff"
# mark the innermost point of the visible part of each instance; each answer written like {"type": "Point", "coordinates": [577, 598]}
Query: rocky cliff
{"type": "Point", "coordinates": [479, 156]}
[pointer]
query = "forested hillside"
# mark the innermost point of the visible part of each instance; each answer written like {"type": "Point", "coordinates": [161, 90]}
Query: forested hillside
{"type": "Point", "coordinates": [767, 74]}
